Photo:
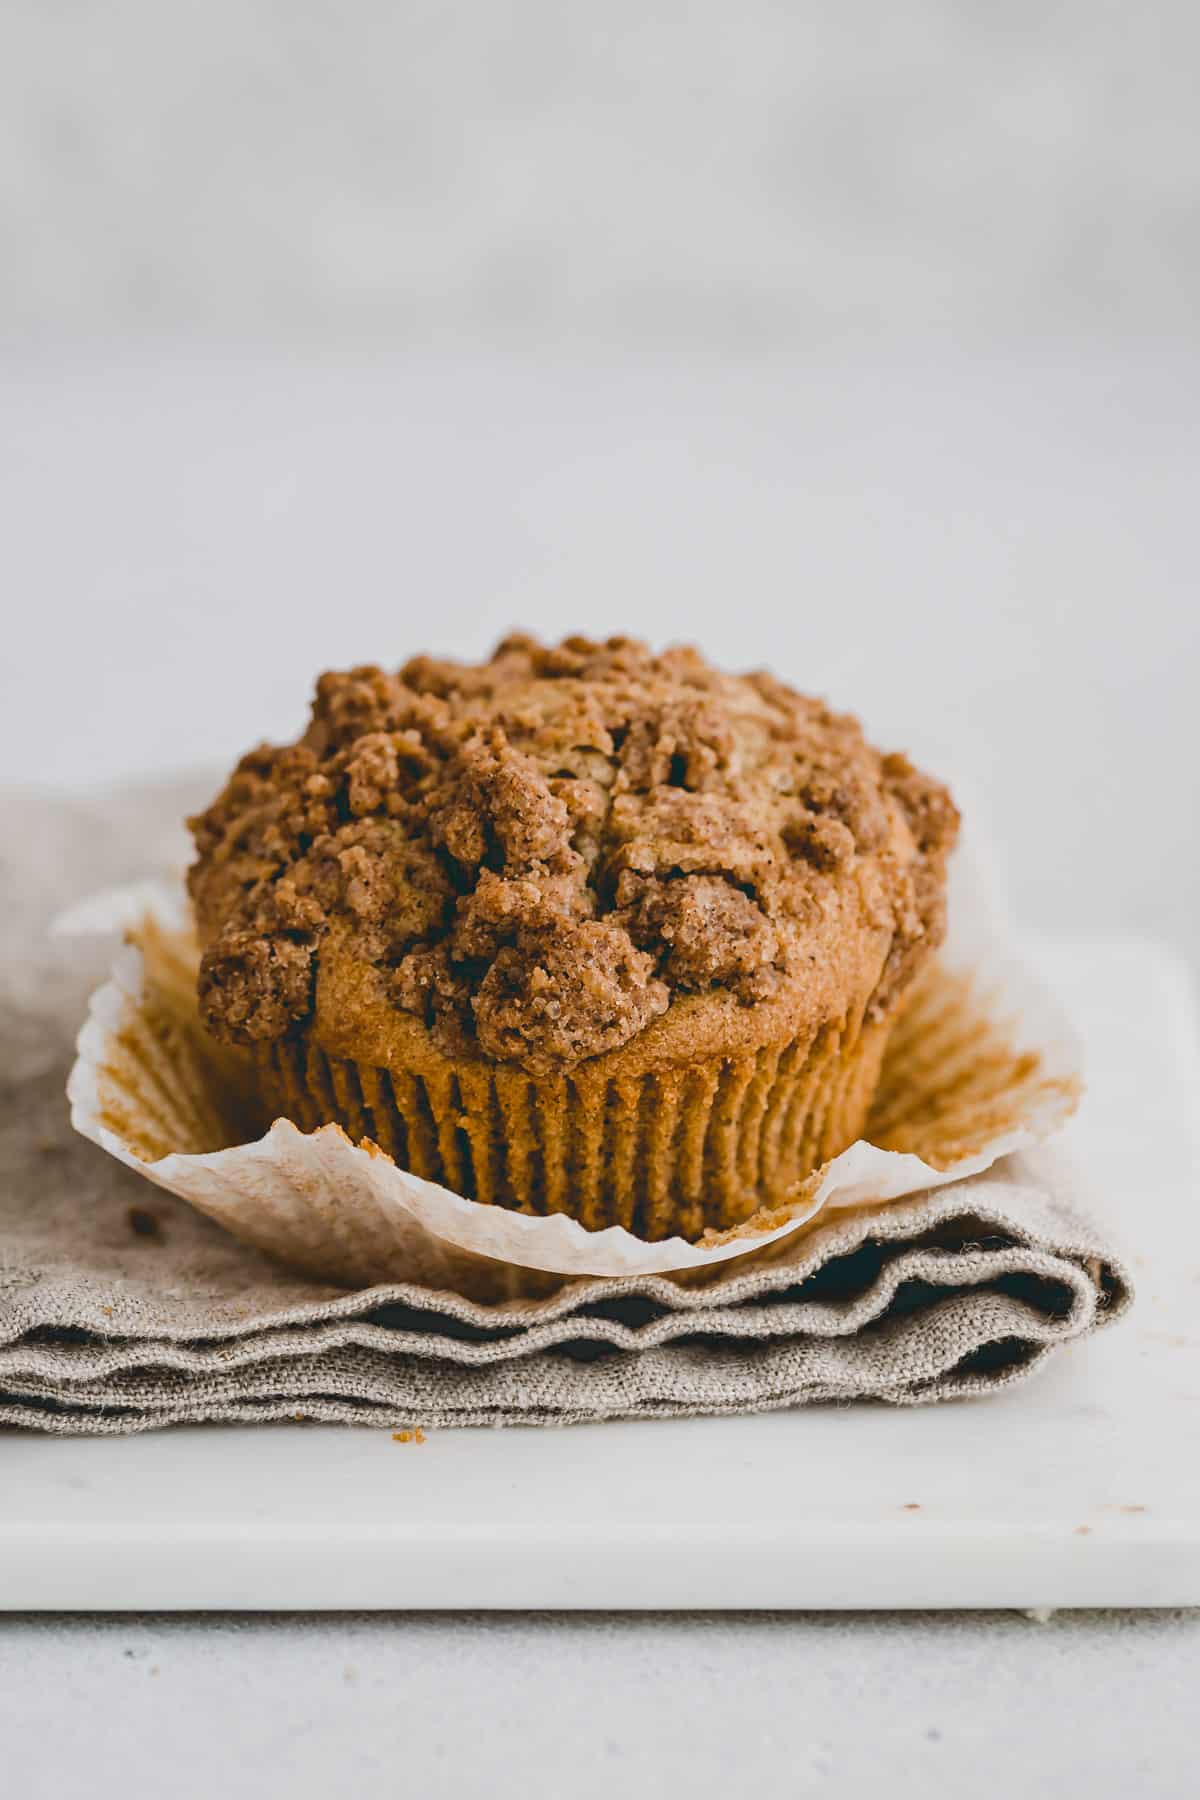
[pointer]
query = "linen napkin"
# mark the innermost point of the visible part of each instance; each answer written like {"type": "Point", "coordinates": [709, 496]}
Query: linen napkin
{"type": "Point", "coordinates": [122, 1309]}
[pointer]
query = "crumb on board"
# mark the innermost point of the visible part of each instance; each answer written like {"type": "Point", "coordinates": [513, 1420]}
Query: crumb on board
{"type": "Point", "coordinates": [409, 1437]}
{"type": "Point", "coordinates": [911, 1506]}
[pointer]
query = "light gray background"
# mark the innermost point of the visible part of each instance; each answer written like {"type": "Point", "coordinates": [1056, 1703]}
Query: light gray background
{"type": "Point", "coordinates": [990, 555]}
{"type": "Point", "coordinates": [645, 171]}
{"type": "Point", "coordinates": [855, 340]}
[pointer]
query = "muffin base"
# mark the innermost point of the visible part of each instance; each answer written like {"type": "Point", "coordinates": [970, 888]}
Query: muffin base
{"type": "Point", "coordinates": [678, 1150]}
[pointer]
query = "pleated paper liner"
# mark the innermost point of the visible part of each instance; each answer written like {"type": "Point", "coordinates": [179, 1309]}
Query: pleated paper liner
{"type": "Point", "coordinates": [980, 1065]}
{"type": "Point", "coordinates": [673, 1152]}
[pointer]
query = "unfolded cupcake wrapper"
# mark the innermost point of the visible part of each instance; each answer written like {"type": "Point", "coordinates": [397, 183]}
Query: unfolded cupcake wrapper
{"type": "Point", "coordinates": [980, 1064]}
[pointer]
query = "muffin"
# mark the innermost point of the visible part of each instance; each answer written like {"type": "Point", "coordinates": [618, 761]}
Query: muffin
{"type": "Point", "coordinates": [581, 929]}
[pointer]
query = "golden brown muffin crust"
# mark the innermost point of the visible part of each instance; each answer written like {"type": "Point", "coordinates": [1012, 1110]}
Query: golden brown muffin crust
{"type": "Point", "coordinates": [538, 856]}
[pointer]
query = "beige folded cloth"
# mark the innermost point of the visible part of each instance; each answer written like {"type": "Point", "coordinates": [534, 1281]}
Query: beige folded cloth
{"type": "Point", "coordinates": [121, 1309]}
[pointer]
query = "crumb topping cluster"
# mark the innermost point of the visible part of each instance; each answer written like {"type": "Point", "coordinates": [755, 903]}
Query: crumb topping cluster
{"type": "Point", "coordinates": [537, 853]}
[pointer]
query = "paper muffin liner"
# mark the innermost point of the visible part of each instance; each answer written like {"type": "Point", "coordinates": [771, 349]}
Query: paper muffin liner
{"type": "Point", "coordinates": [981, 1064]}
{"type": "Point", "coordinates": [676, 1151]}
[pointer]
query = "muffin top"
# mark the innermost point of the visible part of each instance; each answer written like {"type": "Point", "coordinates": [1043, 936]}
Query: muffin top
{"type": "Point", "coordinates": [536, 858]}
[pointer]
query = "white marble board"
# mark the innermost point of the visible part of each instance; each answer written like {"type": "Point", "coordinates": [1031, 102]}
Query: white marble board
{"type": "Point", "coordinates": [1079, 1488]}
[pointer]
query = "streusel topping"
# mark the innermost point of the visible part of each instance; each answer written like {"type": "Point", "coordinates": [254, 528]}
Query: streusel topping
{"type": "Point", "coordinates": [537, 854]}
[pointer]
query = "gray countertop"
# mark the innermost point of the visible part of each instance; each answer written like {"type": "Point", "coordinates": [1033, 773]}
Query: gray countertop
{"type": "Point", "coordinates": [507, 1705]}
